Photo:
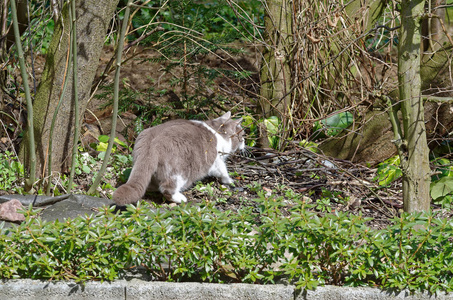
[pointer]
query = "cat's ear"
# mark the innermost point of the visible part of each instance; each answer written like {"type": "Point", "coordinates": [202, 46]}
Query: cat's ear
{"type": "Point", "coordinates": [226, 116]}
{"type": "Point", "coordinates": [238, 121]}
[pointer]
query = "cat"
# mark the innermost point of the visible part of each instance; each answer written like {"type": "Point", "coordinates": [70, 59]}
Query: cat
{"type": "Point", "coordinates": [170, 157]}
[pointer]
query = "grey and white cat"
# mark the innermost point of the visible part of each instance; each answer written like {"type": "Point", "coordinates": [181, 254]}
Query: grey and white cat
{"type": "Point", "coordinates": [170, 157]}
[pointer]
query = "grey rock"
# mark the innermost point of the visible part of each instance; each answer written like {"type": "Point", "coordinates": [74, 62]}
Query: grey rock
{"type": "Point", "coordinates": [35, 200]}
{"type": "Point", "coordinates": [56, 208]}
{"type": "Point", "coordinates": [74, 206]}
{"type": "Point", "coordinates": [90, 200]}
{"type": "Point", "coordinates": [24, 289]}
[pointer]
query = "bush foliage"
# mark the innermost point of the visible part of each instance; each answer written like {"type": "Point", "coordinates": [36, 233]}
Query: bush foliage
{"type": "Point", "coordinates": [256, 244]}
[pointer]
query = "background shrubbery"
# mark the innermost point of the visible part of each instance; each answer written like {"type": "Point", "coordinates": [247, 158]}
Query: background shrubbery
{"type": "Point", "coordinates": [256, 244]}
{"type": "Point", "coordinates": [211, 54]}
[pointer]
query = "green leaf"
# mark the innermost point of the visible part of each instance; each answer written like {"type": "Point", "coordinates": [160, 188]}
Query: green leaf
{"type": "Point", "coordinates": [250, 123]}
{"type": "Point", "coordinates": [122, 158]}
{"type": "Point", "coordinates": [309, 145]}
{"type": "Point", "coordinates": [121, 143]}
{"type": "Point", "coordinates": [103, 138]}
{"type": "Point", "coordinates": [444, 166]}
{"type": "Point", "coordinates": [102, 147]}
{"type": "Point", "coordinates": [272, 124]}
{"type": "Point", "coordinates": [86, 169]}
{"type": "Point", "coordinates": [442, 188]}
{"type": "Point", "coordinates": [389, 170]}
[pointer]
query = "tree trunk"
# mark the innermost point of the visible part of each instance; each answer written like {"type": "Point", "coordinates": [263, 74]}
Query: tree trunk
{"type": "Point", "coordinates": [413, 149]}
{"type": "Point", "coordinates": [432, 32]}
{"type": "Point", "coordinates": [275, 74]}
{"type": "Point", "coordinates": [275, 69]}
{"type": "Point", "coordinates": [93, 19]}
{"type": "Point", "coordinates": [436, 59]}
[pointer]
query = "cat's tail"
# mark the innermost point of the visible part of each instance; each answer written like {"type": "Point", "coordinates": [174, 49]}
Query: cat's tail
{"type": "Point", "coordinates": [135, 188]}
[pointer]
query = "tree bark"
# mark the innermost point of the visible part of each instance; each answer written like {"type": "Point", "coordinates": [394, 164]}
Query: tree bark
{"type": "Point", "coordinates": [93, 19]}
{"type": "Point", "coordinates": [275, 69]}
{"type": "Point", "coordinates": [413, 149]}
{"type": "Point", "coordinates": [432, 32]}
{"type": "Point", "coordinates": [275, 73]}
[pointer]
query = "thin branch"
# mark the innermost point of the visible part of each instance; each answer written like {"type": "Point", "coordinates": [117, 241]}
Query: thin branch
{"type": "Point", "coordinates": [75, 88]}
{"type": "Point", "coordinates": [31, 146]}
{"type": "Point", "coordinates": [437, 99]}
{"type": "Point", "coordinates": [115, 99]}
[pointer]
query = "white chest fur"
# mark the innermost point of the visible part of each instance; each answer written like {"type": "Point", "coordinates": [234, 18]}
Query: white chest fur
{"type": "Point", "coordinates": [224, 147]}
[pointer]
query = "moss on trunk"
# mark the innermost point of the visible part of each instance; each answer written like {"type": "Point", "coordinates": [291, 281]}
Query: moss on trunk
{"type": "Point", "coordinates": [93, 19]}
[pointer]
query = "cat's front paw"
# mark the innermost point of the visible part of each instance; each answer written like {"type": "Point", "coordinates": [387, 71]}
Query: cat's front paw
{"type": "Point", "coordinates": [226, 180]}
{"type": "Point", "coordinates": [178, 198]}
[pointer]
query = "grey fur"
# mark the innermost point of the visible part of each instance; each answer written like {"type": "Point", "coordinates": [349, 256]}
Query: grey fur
{"type": "Point", "coordinates": [170, 157]}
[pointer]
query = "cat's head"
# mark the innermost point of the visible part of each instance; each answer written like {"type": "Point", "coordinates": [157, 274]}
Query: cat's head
{"type": "Point", "coordinates": [230, 129]}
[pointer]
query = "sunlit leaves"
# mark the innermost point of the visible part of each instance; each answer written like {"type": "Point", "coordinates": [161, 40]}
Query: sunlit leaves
{"type": "Point", "coordinates": [257, 244]}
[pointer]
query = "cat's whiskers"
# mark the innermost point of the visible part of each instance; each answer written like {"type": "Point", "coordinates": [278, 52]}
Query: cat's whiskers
{"type": "Point", "coordinates": [246, 152]}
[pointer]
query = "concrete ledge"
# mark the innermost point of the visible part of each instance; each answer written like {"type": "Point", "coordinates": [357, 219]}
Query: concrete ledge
{"type": "Point", "coordinates": [40, 290]}
{"type": "Point", "coordinates": [138, 289]}
{"type": "Point", "coordinates": [25, 289]}
{"type": "Point", "coordinates": [348, 293]}
{"type": "Point", "coordinates": [200, 291]}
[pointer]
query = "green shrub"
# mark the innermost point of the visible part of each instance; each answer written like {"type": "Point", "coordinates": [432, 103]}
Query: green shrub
{"type": "Point", "coordinates": [261, 243]}
{"type": "Point", "coordinates": [441, 188]}
{"type": "Point", "coordinates": [11, 170]}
